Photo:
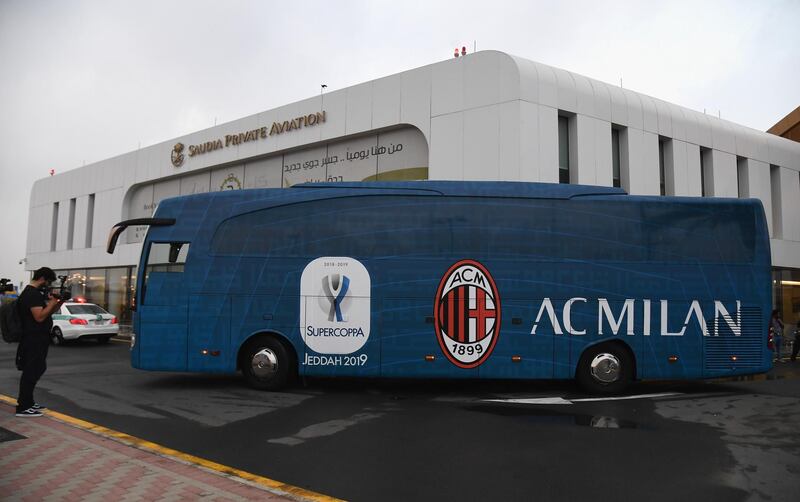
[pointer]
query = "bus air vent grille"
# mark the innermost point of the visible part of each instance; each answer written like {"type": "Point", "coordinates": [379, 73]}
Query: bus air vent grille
{"type": "Point", "coordinates": [747, 347]}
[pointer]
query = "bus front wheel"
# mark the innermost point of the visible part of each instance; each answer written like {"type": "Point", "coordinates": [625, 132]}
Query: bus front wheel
{"type": "Point", "coordinates": [605, 369]}
{"type": "Point", "coordinates": [265, 364]}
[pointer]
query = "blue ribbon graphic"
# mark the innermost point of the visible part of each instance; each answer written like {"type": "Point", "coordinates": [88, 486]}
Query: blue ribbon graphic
{"type": "Point", "coordinates": [336, 302]}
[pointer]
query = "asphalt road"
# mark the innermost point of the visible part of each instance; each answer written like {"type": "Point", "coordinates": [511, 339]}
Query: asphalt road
{"type": "Point", "coordinates": [422, 440]}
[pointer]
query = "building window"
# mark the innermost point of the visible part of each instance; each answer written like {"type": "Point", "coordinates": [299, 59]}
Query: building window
{"type": "Point", "coordinates": [786, 296]}
{"type": "Point", "coordinates": [615, 155]}
{"type": "Point", "coordinates": [706, 179]}
{"type": "Point", "coordinates": [54, 227]}
{"type": "Point", "coordinates": [775, 186]}
{"type": "Point", "coordinates": [71, 224]}
{"type": "Point", "coordinates": [89, 221]}
{"type": "Point", "coordinates": [563, 149]}
{"type": "Point", "coordinates": [661, 177]}
{"type": "Point", "coordinates": [96, 287]}
{"type": "Point", "coordinates": [666, 166]}
{"type": "Point", "coordinates": [77, 281]}
{"type": "Point", "coordinates": [742, 183]}
{"type": "Point", "coordinates": [117, 287]}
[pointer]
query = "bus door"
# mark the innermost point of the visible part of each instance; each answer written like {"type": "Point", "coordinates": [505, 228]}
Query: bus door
{"type": "Point", "coordinates": [336, 307]}
{"type": "Point", "coordinates": [209, 333]}
{"type": "Point", "coordinates": [162, 309]}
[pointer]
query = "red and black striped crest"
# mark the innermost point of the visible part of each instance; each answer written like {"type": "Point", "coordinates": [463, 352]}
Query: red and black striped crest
{"type": "Point", "coordinates": [467, 314]}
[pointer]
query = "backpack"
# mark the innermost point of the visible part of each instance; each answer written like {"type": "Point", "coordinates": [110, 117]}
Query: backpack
{"type": "Point", "coordinates": [10, 322]}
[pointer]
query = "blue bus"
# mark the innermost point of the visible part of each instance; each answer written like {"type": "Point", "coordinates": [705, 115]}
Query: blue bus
{"type": "Point", "coordinates": [437, 279]}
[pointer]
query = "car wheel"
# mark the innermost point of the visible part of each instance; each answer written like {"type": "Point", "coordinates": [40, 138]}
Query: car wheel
{"type": "Point", "coordinates": [57, 337]}
{"type": "Point", "coordinates": [605, 369]}
{"type": "Point", "coordinates": [265, 364]}
{"type": "Point", "coordinates": [103, 339]}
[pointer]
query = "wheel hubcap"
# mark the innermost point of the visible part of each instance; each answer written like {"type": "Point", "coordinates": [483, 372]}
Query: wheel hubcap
{"type": "Point", "coordinates": [605, 368]}
{"type": "Point", "coordinates": [264, 364]}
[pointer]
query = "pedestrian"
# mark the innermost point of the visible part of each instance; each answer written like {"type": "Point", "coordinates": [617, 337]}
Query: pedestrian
{"type": "Point", "coordinates": [36, 307]}
{"type": "Point", "coordinates": [776, 326]}
{"type": "Point", "coordinates": [796, 345]}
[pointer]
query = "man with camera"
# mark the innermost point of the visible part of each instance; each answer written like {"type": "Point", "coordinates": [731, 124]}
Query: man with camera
{"type": "Point", "coordinates": [36, 303]}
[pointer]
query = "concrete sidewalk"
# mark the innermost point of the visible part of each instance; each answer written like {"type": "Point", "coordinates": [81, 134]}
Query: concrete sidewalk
{"type": "Point", "coordinates": [55, 457]}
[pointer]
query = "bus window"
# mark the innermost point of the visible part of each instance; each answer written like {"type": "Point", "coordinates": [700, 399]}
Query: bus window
{"type": "Point", "coordinates": [376, 226]}
{"type": "Point", "coordinates": [163, 272]}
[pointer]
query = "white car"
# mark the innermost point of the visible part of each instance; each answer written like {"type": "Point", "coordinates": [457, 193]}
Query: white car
{"type": "Point", "coordinates": [78, 320]}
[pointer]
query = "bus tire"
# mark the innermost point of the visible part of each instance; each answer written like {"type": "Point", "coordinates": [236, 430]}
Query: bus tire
{"type": "Point", "coordinates": [265, 364]}
{"type": "Point", "coordinates": [605, 369]}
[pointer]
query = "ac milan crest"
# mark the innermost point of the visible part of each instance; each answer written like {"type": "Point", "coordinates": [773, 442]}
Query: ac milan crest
{"type": "Point", "coordinates": [467, 314]}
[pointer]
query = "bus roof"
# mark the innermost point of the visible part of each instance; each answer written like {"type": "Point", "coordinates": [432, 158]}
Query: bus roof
{"type": "Point", "coordinates": [482, 188]}
{"type": "Point", "coordinates": [252, 199]}
{"type": "Point", "coordinates": [451, 188]}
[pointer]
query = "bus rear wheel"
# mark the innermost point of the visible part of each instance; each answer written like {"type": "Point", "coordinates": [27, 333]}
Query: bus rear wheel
{"type": "Point", "coordinates": [265, 364]}
{"type": "Point", "coordinates": [605, 369]}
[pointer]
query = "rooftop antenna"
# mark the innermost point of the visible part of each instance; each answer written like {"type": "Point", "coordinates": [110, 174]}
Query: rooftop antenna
{"type": "Point", "coordinates": [322, 87]}
{"type": "Point", "coordinates": [474, 46]}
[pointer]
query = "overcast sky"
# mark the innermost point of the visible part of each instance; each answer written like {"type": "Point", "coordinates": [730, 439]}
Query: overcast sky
{"type": "Point", "coordinates": [82, 81]}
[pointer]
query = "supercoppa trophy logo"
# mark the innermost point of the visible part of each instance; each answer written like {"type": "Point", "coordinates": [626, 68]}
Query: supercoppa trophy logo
{"type": "Point", "coordinates": [335, 307]}
{"type": "Point", "coordinates": [467, 314]}
{"type": "Point", "coordinates": [336, 287]}
{"type": "Point", "coordinates": [177, 155]}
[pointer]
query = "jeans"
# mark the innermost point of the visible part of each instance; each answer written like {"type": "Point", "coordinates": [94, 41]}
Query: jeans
{"type": "Point", "coordinates": [33, 349]}
{"type": "Point", "coordinates": [778, 341]}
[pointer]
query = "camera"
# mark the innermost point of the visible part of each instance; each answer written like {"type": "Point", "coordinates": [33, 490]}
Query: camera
{"type": "Point", "coordinates": [6, 286]}
{"type": "Point", "coordinates": [63, 291]}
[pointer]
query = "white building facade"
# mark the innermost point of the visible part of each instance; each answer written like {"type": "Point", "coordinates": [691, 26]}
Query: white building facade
{"type": "Point", "coordinates": [485, 116]}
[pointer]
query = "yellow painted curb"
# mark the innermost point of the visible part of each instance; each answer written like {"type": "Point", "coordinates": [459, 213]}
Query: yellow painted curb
{"type": "Point", "coordinates": [270, 484]}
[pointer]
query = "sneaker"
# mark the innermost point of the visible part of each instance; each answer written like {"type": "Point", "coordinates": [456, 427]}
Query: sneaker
{"type": "Point", "coordinates": [30, 412]}
{"type": "Point", "coordinates": [38, 407]}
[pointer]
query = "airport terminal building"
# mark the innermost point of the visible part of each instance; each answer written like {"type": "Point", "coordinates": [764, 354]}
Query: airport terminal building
{"type": "Point", "coordinates": [484, 116]}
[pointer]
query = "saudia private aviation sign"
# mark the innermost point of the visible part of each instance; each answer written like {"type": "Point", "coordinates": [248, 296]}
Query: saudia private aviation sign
{"type": "Point", "coordinates": [467, 314]}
